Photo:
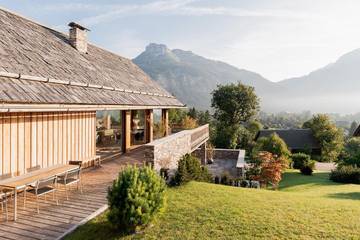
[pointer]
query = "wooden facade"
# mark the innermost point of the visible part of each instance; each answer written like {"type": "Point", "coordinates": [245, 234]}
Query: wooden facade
{"type": "Point", "coordinates": [29, 140]}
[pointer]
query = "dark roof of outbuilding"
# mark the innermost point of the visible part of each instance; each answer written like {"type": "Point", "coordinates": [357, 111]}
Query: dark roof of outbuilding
{"type": "Point", "coordinates": [294, 138]}
{"type": "Point", "coordinates": [357, 132]}
{"type": "Point", "coordinates": [38, 65]}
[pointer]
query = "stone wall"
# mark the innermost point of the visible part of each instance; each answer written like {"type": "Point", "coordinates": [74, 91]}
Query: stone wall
{"type": "Point", "coordinates": [167, 151]}
{"type": "Point", "coordinates": [221, 154]}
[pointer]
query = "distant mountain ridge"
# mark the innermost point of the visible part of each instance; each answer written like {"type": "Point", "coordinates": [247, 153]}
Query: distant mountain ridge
{"type": "Point", "coordinates": [192, 78]}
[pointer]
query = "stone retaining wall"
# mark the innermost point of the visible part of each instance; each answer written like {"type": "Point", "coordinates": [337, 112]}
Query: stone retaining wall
{"type": "Point", "coordinates": [167, 151]}
{"type": "Point", "coordinates": [221, 154]}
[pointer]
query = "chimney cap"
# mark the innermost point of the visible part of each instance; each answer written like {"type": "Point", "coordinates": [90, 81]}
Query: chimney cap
{"type": "Point", "coordinates": [75, 25]}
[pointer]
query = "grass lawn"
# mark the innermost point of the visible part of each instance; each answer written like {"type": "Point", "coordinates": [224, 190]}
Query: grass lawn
{"type": "Point", "coordinates": [305, 207]}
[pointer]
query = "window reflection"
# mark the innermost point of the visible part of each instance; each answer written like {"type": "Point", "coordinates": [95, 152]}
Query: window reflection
{"type": "Point", "coordinates": [137, 127]}
{"type": "Point", "coordinates": [159, 128]}
{"type": "Point", "coordinates": [108, 132]}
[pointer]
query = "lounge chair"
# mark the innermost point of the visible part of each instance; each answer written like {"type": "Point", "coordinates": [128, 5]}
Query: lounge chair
{"type": "Point", "coordinates": [43, 187]}
{"type": "Point", "coordinates": [69, 178]}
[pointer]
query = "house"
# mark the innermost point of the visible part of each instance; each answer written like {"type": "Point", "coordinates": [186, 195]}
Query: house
{"type": "Point", "coordinates": [63, 99]}
{"type": "Point", "coordinates": [297, 140]}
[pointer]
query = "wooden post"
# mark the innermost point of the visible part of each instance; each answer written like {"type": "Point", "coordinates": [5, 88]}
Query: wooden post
{"type": "Point", "coordinates": [165, 120]}
{"type": "Point", "coordinates": [203, 153]}
{"type": "Point", "coordinates": [149, 125]}
{"type": "Point", "coordinates": [126, 129]}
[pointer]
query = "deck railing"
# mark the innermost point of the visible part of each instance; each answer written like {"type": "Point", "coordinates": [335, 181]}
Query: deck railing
{"type": "Point", "coordinates": [199, 136]}
{"type": "Point", "coordinates": [171, 148]}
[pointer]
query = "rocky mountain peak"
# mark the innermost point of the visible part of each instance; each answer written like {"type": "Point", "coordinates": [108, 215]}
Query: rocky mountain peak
{"type": "Point", "coordinates": [157, 49]}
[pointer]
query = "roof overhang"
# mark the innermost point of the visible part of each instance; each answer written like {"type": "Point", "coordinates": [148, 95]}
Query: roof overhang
{"type": "Point", "coordinates": [74, 107]}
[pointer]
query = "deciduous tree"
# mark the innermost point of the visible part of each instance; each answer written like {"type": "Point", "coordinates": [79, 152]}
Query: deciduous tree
{"type": "Point", "coordinates": [331, 139]}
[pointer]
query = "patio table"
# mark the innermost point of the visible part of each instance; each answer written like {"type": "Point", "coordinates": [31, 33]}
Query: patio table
{"type": "Point", "coordinates": [20, 182]}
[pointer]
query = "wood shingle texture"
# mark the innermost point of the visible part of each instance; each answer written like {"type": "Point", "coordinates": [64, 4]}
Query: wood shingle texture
{"type": "Point", "coordinates": [39, 66]}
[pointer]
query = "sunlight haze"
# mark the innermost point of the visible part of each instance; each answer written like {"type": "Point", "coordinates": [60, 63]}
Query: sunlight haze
{"type": "Point", "coordinates": [277, 39]}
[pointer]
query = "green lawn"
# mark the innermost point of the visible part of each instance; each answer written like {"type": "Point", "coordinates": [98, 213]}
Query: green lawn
{"type": "Point", "coordinates": [305, 207]}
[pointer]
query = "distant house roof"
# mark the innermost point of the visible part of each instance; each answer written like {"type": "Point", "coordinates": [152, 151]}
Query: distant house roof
{"type": "Point", "coordinates": [39, 66]}
{"type": "Point", "coordinates": [357, 132]}
{"type": "Point", "coordinates": [294, 138]}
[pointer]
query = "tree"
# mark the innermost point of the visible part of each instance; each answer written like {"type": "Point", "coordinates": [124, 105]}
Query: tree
{"type": "Point", "coordinates": [351, 153]}
{"type": "Point", "coordinates": [204, 117]}
{"type": "Point", "coordinates": [273, 144]}
{"type": "Point", "coordinates": [193, 113]}
{"type": "Point", "coordinates": [331, 139]}
{"type": "Point", "coordinates": [176, 116]}
{"type": "Point", "coordinates": [270, 168]}
{"type": "Point", "coordinates": [226, 136]}
{"type": "Point", "coordinates": [234, 103]}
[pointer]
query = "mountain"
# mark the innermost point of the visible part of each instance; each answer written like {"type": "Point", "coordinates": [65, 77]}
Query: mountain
{"type": "Point", "coordinates": [191, 78]}
{"type": "Point", "coordinates": [333, 88]}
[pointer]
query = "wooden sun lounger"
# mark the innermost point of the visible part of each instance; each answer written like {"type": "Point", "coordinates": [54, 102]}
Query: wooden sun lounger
{"type": "Point", "coordinates": [20, 182]}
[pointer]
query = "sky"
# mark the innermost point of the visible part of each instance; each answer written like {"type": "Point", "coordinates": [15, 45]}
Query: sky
{"type": "Point", "coordinates": [278, 39]}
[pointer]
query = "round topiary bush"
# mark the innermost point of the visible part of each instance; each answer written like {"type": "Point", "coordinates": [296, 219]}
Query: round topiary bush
{"type": "Point", "coordinates": [135, 197]}
{"type": "Point", "coordinates": [300, 160]}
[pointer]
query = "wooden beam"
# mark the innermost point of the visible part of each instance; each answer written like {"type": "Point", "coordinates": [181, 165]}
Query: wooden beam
{"type": "Point", "coordinates": [165, 120]}
{"type": "Point", "coordinates": [149, 125]}
{"type": "Point", "coordinates": [126, 129]}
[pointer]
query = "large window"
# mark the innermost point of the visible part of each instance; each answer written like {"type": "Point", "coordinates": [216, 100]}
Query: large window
{"type": "Point", "coordinates": [108, 132]}
{"type": "Point", "coordinates": [159, 128]}
{"type": "Point", "coordinates": [137, 127]}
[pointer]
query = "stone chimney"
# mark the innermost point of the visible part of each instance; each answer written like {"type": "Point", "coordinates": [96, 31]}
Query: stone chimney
{"type": "Point", "coordinates": [78, 37]}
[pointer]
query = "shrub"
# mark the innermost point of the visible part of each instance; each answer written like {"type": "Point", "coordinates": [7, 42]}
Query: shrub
{"type": "Point", "coordinates": [346, 174]}
{"type": "Point", "coordinates": [306, 170]}
{"type": "Point", "coordinates": [188, 123]}
{"type": "Point", "coordinates": [189, 168]}
{"type": "Point", "coordinates": [225, 178]}
{"type": "Point", "coordinates": [135, 197]}
{"type": "Point", "coordinates": [300, 160]}
{"type": "Point", "coordinates": [164, 172]}
{"type": "Point", "coordinates": [245, 183]}
{"type": "Point", "coordinates": [217, 180]}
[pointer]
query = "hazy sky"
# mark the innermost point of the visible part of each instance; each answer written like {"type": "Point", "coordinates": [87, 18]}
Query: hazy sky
{"type": "Point", "coordinates": [278, 39]}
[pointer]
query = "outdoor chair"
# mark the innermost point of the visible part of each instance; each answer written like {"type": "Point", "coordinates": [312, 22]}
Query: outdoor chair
{"type": "Point", "coordinates": [43, 187]}
{"type": "Point", "coordinates": [3, 202]}
{"type": "Point", "coordinates": [4, 190]}
{"type": "Point", "coordinates": [69, 178]}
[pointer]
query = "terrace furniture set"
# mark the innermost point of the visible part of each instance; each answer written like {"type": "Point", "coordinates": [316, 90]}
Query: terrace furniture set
{"type": "Point", "coordinates": [39, 183]}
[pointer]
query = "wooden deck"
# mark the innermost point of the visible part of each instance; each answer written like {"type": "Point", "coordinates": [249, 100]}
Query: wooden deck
{"type": "Point", "coordinates": [53, 221]}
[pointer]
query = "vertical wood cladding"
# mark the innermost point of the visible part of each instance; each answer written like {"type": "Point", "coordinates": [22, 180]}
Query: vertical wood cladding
{"type": "Point", "coordinates": [29, 140]}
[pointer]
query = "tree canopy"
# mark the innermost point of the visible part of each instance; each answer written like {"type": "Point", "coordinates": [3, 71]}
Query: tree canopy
{"type": "Point", "coordinates": [234, 103]}
{"type": "Point", "coordinates": [331, 139]}
{"type": "Point", "coordinates": [351, 153]}
{"type": "Point", "coordinates": [273, 144]}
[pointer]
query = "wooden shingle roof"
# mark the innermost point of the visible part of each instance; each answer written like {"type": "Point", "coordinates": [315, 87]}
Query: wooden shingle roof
{"type": "Point", "coordinates": [38, 65]}
{"type": "Point", "coordinates": [294, 138]}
